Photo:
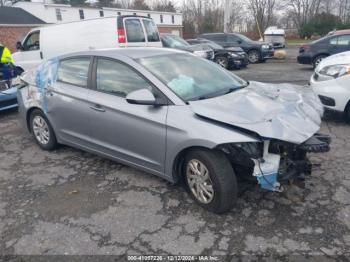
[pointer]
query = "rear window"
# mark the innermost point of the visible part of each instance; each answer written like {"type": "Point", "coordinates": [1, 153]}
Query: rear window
{"type": "Point", "coordinates": [74, 71]}
{"type": "Point", "coordinates": [151, 30]}
{"type": "Point", "coordinates": [134, 31]}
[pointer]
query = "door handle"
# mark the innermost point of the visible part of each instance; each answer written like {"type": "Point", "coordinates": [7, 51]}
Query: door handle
{"type": "Point", "coordinates": [98, 108]}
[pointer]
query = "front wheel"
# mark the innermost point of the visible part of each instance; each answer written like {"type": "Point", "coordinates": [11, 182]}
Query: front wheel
{"type": "Point", "coordinates": [42, 130]}
{"type": "Point", "coordinates": [253, 56]}
{"type": "Point", "coordinates": [210, 179]}
{"type": "Point", "coordinates": [318, 60]}
{"type": "Point", "coordinates": [222, 61]}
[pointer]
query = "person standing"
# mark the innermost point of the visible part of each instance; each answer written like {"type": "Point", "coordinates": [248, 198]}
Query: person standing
{"type": "Point", "coordinates": [6, 65]}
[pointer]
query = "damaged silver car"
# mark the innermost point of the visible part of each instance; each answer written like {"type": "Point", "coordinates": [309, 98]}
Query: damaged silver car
{"type": "Point", "coordinates": [177, 116]}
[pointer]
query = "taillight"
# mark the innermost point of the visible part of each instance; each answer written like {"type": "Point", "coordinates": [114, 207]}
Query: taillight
{"type": "Point", "coordinates": [121, 36]}
{"type": "Point", "coordinates": [304, 48]}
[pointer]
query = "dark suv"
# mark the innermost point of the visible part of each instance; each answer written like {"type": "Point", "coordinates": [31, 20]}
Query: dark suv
{"type": "Point", "coordinates": [257, 51]}
{"type": "Point", "coordinates": [312, 54]}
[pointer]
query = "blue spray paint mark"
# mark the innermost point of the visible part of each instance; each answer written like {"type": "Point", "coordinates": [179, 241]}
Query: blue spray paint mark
{"type": "Point", "coordinates": [46, 76]}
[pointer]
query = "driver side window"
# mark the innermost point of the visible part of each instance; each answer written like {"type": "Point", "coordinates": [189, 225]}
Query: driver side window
{"type": "Point", "coordinates": [118, 79]}
{"type": "Point", "coordinates": [32, 42]}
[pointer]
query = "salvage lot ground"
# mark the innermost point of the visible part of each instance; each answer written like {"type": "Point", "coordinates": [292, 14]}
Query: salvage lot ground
{"type": "Point", "coordinates": [71, 202]}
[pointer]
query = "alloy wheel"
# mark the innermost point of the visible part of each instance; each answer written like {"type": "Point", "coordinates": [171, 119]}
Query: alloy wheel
{"type": "Point", "coordinates": [253, 57]}
{"type": "Point", "coordinates": [222, 62]}
{"type": "Point", "coordinates": [41, 130]}
{"type": "Point", "coordinates": [199, 182]}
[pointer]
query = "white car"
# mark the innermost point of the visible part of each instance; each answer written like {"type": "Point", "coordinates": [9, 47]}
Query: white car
{"type": "Point", "coordinates": [331, 82]}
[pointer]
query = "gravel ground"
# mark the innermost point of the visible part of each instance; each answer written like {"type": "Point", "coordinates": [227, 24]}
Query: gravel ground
{"type": "Point", "coordinates": [72, 202]}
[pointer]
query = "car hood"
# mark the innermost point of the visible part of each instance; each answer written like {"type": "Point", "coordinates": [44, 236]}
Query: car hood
{"type": "Point", "coordinates": [277, 111]}
{"type": "Point", "coordinates": [337, 59]}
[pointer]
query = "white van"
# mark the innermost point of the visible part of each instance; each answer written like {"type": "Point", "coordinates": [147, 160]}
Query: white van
{"type": "Point", "coordinates": [108, 32]}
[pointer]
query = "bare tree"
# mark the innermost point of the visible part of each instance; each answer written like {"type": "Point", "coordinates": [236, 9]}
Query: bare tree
{"type": "Point", "coordinates": [304, 10]}
{"type": "Point", "coordinates": [264, 13]}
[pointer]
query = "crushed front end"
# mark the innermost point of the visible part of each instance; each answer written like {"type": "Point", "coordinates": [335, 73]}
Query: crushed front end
{"type": "Point", "coordinates": [273, 162]}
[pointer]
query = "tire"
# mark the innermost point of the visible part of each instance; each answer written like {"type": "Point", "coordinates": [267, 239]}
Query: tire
{"type": "Point", "coordinates": [221, 180]}
{"type": "Point", "coordinates": [222, 61]}
{"type": "Point", "coordinates": [347, 112]}
{"type": "Point", "coordinates": [42, 130]}
{"type": "Point", "coordinates": [317, 60]}
{"type": "Point", "coordinates": [253, 56]}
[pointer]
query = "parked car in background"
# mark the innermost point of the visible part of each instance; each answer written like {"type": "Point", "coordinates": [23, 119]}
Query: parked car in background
{"type": "Point", "coordinates": [108, 32]}
{"type": "Point", "coordinates": [175, 115]}
{"type": "Point", "coordinates": [257, 51]}
{"type": "Point", "coordinates": [174, 41]}
{"type": "Point", "coordinates": [313, 53]}
{"type": "Point", "coordinates": [276, 36]}
{"type": "Point", "coordinates": [331, 82]}
{"type": "Point", "coordinates": [225, 58]}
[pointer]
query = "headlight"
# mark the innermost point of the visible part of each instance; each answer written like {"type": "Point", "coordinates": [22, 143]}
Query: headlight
{"type": "Point", "coordinates": [202, 54]}
{"type": "Point", "coordinates": [265, 46]}
{"type": "Point", "coordinates": [233, 54]}
{"type": "Point", "coordinates": [335, 70]}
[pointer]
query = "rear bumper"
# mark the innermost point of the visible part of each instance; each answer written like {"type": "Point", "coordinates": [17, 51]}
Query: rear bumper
{"type": "Point", "coordinates": [8, 99]}
{"type": "Point", "coordinates": [304, 59]}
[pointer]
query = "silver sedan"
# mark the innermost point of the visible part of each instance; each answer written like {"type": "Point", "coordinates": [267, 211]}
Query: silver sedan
{"type": "Point", "coordinates": [177, 116]}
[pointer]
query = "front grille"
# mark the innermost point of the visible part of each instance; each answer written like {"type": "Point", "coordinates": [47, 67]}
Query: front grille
{"type": "Point", "coordinates": [8, 102]}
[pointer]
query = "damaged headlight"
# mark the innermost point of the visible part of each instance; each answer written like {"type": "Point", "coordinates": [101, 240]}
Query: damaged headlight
{"type": "Point", "coordinates": [335, 70]}
{"type": "Point", "coordinates": [233, 55]}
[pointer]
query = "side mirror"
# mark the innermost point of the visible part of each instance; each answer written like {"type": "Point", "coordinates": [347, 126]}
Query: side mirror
{"type": "Point", "coordinates": [141, 97]}
{"type": "Point", "coordinates": [19, 46]}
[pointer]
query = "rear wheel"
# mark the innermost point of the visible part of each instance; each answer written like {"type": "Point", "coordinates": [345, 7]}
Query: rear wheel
{"type": "Point", "coordinates": [222, 61]}
{"type": "Point", "coordinates": [210, 180]}
{"type": "Point", "coordinates": [318, 60]}
{"type": "Point", "coordinates": [253, 56]}
{"type": "Point", "coordinates": [42, 130]}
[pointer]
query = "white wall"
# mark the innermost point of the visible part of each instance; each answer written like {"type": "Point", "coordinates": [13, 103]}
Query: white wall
{"type": "Point", "coordinates": [47, 13]}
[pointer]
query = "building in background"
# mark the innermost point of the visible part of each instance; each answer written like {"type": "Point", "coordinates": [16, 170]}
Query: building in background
{"type": "Point", "coordinates": [14, 24]}
{"type": "Point", "coordinates": [60, 13]}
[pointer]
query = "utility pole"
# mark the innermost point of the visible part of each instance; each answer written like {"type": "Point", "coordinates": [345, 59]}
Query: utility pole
{"type": "Point", "coordinates": [227, 14]}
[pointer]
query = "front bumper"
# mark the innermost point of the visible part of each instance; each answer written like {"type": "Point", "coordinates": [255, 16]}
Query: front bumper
{"type": "Point", "coordinates": [334, 93]}
{"type": "Point", "coordinates": [266, 54]}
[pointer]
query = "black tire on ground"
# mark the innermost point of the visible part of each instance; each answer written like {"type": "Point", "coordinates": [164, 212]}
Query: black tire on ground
{"type": "Point", "coordinates": [222, 61]}
{"type": "Point", "coordinates": [317, 60]}
{"type": "Point", "coordinates": [222, 176]}
{"type": "Point", "coordinates": [52, 142]}
{"type": "Point", "coordinates": [263, 60]}
{"type": "Point", "coordinates": [253, 56]}
{"type": "Point", "coordinates": [347, 112]}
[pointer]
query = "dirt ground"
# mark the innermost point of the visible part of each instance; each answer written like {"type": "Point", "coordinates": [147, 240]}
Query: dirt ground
{"type": "Point", "coordinates": [71, 202]}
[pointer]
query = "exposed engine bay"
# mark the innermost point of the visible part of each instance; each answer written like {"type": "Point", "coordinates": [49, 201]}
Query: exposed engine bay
{"type": "Point", "coordinates": [274, 162]}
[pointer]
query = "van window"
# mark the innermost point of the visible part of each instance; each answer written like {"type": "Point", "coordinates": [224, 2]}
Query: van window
{"type": "Point", "coordinates": [74, 71]}
{"type": "Point", "coordinates": [32, 42]}
{"type": "Point", "coordinates": [151, 30]}
{"type": "Point", "coordinates": [118, 79]}
{"type": "Point", "coordinates": [58, 14]}
{"type": "Point", "coordinates": [81, 14]}
{"type": "Point", "coordinates": [134, 31]}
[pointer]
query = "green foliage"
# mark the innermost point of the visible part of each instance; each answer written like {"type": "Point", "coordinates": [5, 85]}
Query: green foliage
{"type": "Point", "coordinates": [321, 24]}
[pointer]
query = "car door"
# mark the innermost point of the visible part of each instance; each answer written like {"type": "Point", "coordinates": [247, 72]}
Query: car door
{"type": "Point", "coordinates": [135, 134]}
{"type": "Point", "coordinates": [135, 34]}
{"type": "Point", "coordinates": [30, 54]}
{"type": "Point", "coordinates": [152, 35]}
{"type": "Point", "coordinates": [67, 101]}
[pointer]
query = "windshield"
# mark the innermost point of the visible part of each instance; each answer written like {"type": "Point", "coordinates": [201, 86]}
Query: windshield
{"type": "Point", "coordinates": [190, 77]}
{"type": "Point", "coordinates": [174, 41]}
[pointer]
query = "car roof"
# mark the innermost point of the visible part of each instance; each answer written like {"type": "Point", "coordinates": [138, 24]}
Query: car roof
{"type": "Point", "coordinates": [341, 32]}
{"type": "Point", "coordinates": [133, 53]}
